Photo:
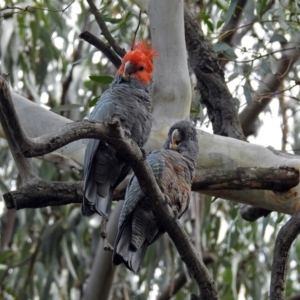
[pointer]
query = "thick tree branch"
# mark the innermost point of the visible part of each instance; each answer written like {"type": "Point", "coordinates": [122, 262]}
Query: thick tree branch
{"type": "Point", "coordinates": [214, 93]}
{"type": "Point", "coordinates": [106, 50]}
{"type": "Point", "coordinates": [38, 193]}
{"type": "Point", "coordinates": [284, 240]}
{"type": "Point", "coordinates": [281, 179]}
{"type": "Point", "coordinates": [121, 52]}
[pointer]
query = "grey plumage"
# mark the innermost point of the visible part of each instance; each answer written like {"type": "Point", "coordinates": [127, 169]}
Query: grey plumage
{"type": "Point", "coordinates": [174, 172]}
{"type": "Point", "coordinates": [104, 169]}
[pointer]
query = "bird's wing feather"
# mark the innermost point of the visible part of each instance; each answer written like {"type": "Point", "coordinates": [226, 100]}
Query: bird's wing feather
{"type": "Point", "coordinates": [134, 193]}
{"type": "Point", "coordinates": [103, 111]}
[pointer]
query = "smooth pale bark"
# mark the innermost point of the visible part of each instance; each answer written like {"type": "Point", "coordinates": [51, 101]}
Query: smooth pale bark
{"type": "Point", "coordinates": [223, 152]}
{"type": "Point", "coordinates": [102, 270]}
{"type": "Point", "coordinates": [171, 82]}
{"type": "Point", "coordinates": [37, 121]}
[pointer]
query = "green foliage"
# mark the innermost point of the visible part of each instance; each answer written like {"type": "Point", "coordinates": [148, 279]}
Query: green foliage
{"type": "Point", "coordinates": [101, 79]}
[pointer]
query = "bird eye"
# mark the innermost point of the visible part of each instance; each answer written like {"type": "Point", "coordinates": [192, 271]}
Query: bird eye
{"type": "Point", "coordinates": [141, 68]}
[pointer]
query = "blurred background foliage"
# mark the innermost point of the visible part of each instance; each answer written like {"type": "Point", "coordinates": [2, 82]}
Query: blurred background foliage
{"type": "Point", "coordinates": [47, 253]}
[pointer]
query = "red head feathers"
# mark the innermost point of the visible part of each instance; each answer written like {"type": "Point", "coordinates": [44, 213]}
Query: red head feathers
{"type": "Point", "coordinates": [137, 63]}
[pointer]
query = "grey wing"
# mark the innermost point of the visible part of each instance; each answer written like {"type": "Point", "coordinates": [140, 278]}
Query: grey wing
{"type": "Point", "coordinates": [103, 110]}
{"type": "Point", "coordinates": [136, 225]}
{"type": "Point", "coordinates": [134, 194]}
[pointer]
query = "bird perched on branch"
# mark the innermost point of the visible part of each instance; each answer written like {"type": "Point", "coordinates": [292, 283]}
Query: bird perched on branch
{"type": "Point", "coordinates": [128, 99]}
{"type": "Point", "coordinates": [173, 168]}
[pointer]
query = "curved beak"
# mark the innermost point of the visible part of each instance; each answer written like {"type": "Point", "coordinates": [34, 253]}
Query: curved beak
{"type": "Point", "coordinates": [175, 139]}
{"type": "Point", "coordinates": [129, 68]}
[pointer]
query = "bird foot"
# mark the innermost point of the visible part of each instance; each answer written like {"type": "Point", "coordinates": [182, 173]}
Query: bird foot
{"type": "Point", "coordinates": [143, 153]}
{"type": "Point", "coordinates": [167, 200]}
{"type": "Point", "coordinates": [173, 207]}
{"type": "Point", "coordinates": [107, 246]}
{"type": "Point", "coordinates": [175, 211]}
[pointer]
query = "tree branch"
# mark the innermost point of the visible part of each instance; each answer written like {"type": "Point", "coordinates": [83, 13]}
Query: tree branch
{"type": "Point", "coordinates": [284, 240]}
{"type": "Point", "coordinates": [215, 95]}
{"type": "Point", "coordinates": [37, 193]}
{"type": "Point", "coordinates": [270, 84]}
{"type": "Point", "coordinates": [121, 52]}
{"type": "Point", "coordinates": [106, 50]}
{"type": "Point", "coordinates": [24, 165]}
{"type": "Point", "coordinates": [280, 180]}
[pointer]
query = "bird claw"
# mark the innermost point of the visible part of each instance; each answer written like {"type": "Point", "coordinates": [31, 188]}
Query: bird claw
{"type": "Point", "coordinates": [127, 133]}
{"type": "Point", "coordinates": [174, 208]}
{"type": "Point", "coordinates": [167, 200]}
{"type": "Point", "coordinates": [175, 211]}
{"type": "Point", "coordinates": [143, 153]}
{"type": "Point", "coordinates": [107, 246]}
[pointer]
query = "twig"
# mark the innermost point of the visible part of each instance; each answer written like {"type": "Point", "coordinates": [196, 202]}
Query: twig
{"type": "Point", "coordinates": [181, 280]}
{"type": "Point", "coordinates": [99, 19]}
{"type": "Point", "coordinates": [228, 30]}
{"type": "Point", "coordinates": [106, 50]}
{"type": "Point", "coordinates": [77, 54]}
{"type": "Point", "coordinates": [137, 29]}
{"type": "Point", "coordinates": [27, 8]}
{"type": "Point", "coordinates": [249, 115]}
{"type": "Point", "coordinates": [284, 240]}
{"type": "Point", "coordinates": [19, 264]}
{"type": "Point", "coordinates": [103, 234]}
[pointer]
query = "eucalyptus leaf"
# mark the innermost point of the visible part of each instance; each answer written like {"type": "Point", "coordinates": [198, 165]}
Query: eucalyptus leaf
{"type": "Point", "coordinates": [102, 79]}
{"type": "Point", "coordinates": [273, 64]}
{"type": "Point", "coordinates": [219, 47]}
{"type": "Point", "coordinates": [266, 67]}
{"type": "Point", "coordinates": [276, 37]}
{"type": "Point", "coordinates": [93, 102]}
{"type": "Point", "coordinates": [65, 107]}
{"type": "Point", "coordinates": [112, 20]}
{"type": "Point", "coordinates": [233, 76]}
{"type": "Point", "coordinates": [230, 11]}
